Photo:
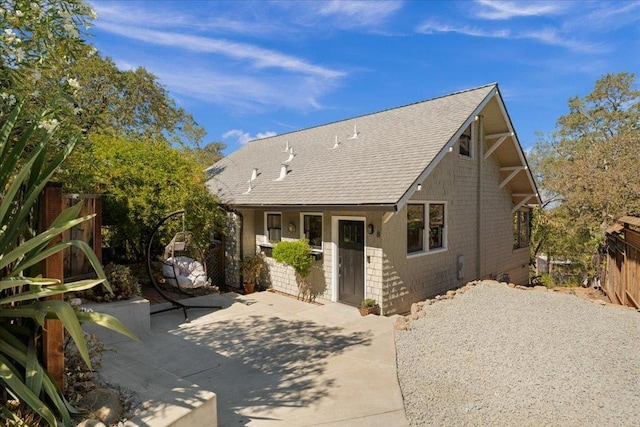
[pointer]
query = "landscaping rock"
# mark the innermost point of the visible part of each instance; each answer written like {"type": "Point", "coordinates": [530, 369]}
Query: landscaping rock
{"type": "Point", "coordinates": [422, 313]}
{"type": "Point", "coordinates": [103, 404]}
{"type": "Point", "coordinates": [415, 308]}
{"type": "Point", "coordinates": [428, 302]}
{"type": "Point", "coordinates": [450, 294]}
{"type": "Point", "coordinates": [512, 285]}
{"type": "Point", "coordinates": [541, 288]}
{"type": "Point", "coordinates": [401, 324]}
{"type": "Point", "coordinates": [524, 288]}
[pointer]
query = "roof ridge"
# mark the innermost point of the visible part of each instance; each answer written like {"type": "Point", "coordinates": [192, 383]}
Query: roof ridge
{"type": "Point", "coordinates": [375, 112]}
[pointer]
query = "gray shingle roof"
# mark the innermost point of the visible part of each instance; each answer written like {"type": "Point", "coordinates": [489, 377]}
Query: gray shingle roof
{"type": "Point", "coordinates": [392, 148]}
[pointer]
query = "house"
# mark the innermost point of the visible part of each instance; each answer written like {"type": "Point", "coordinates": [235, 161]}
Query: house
{"type": "Point", "coordinates": [398, 205]}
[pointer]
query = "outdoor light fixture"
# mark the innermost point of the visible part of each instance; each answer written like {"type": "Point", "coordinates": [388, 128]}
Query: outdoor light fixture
{"type": "Point", "coordinates": [292, 227]}
{"type": "Point", "coordinates": [370, 228]}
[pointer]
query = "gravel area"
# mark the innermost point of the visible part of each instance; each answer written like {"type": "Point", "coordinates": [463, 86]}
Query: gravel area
{"type": "Point", "coordinates": [502, 356]}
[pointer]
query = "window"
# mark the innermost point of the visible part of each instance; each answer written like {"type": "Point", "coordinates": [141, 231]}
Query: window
{"type": "Point", "coordinates": [426, 218]}
{"type": "Point", "coordinates": [273, 225]}
{"type": "Point", "coordinates": [465, 143]}
{"type": "Point", "coordinates": [521, 229]}
{"type": "Point", "coordinates": [312, 229]}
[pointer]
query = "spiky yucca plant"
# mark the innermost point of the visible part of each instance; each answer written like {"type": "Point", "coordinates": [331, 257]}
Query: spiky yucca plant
{"type": "Point", "coordinates": [26, 167]}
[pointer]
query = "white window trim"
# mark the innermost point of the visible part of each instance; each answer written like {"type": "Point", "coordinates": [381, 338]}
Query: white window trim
{"type": "Point", "coordinates": [302, 237]}
{"type": "Point", "coordinates": [266, 230]}
{"type": "Point", "coordinates": [425, 237]}
{"type": "Point", "coordinates": [472, 143]}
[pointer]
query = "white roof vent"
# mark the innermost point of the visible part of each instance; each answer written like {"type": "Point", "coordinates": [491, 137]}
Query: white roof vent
{"type": "Point", "coordinates": [355, 133]}
{"type": "Point", "coordinates": [284, 170]}
{"type": "Point", "coordinates": [336, 144]}
{"type": "Point", "coordinates": [254, 175]}
{"type": "Point", "coordinates": [291, 155]}
{"type": "Point", "coordinates": [286, 148]}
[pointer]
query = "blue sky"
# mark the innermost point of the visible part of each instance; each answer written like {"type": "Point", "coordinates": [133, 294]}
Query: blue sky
{"type": "Point", "coordinates": [252, 69]}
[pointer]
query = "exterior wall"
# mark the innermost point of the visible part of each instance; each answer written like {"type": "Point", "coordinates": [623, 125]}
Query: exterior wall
{"type": "Point", "coordinates": [487, 252]}
{"type": "Point", "coordinates": [498, 255]}
{"type": "Point", "coordinates": [282, 278]}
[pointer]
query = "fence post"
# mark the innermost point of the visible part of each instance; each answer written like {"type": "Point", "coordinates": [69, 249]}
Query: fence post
{"type": "Point", "coordinates": [53, 332]}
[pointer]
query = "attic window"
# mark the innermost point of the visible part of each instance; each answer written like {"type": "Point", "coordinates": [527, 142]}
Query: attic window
{"type": "Point", "coordinates": [465, 143]}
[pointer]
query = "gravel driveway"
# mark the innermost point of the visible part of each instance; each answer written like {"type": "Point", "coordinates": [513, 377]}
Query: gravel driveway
{"type": "Point", "coordinates": [502, 356]}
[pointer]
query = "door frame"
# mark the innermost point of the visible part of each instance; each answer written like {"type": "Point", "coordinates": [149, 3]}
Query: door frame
{"type": "Point", "coordinates": [335, 235]}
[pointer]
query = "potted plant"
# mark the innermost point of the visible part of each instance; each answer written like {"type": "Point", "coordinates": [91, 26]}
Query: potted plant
{"type": "Point", "coordinates": [252, 268]}
{"type": "Point", "coordinates": [369, 306]}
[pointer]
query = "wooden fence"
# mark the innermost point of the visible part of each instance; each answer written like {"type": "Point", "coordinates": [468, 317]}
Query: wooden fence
{"type": "Point", "coordinates": [622, 273]}
{"type": "Point", "coordinates": [76, 265]}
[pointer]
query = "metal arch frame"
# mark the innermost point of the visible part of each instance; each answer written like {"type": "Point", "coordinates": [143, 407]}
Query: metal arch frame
{"type": "Point", "coordinates": [175, 305]}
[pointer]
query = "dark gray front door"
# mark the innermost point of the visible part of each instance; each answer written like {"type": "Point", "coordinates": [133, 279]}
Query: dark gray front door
{"type": "Point", "coordinates": [351, 261]}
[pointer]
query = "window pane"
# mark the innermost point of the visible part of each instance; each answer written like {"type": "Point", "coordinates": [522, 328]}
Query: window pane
{"type": "Point", "coordinates": [464, 142]}
{"type": "Point", "coordinates": [436, 226]}
{"type": "Point", "coordinates": [274, 232]}
{"type": "Point", "coordinates": [415, 228]}
{"type": "Point", "coordinates": [313, 230]}
{"type": "Point", "coordinates": [521, 229]}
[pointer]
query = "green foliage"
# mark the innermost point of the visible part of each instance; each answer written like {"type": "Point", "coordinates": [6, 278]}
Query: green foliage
{"type": "Point", "coordinates": [39, 40]}
{"type": "Point", "coordinates": [296, 254]}
{"type": "Point", "coordinates": [588, 170]}
{"type": "Point", "coordinates": [252, 268]}
{"type": "Point", "coordinates": [143, 180]}
{"type": "Point", "coordinates": [368, 302]}
{"type": "Point", "coordinates": [124, 285]}
{"type": "Point", "coordinates": [129, 103]}
{"type": "Point", "coordinates": [23, 175]}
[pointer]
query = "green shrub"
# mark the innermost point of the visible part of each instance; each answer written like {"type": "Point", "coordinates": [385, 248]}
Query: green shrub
{"type": "Point", "coordinates": [368, 303]}
{"type": "Point", "coordinates": [123, 283]}
{"type": "Point", "coordinates": [296, 254]}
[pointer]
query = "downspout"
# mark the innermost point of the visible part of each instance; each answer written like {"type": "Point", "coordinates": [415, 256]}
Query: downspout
{"type": "Point", "coordinates": [479, 204]}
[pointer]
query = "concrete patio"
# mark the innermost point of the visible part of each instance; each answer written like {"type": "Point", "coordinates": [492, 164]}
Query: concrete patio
{"type": "Point", "coordinates": [264, 359]}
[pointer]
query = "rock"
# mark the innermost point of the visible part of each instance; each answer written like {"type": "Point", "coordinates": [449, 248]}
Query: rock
{"type": "Point", "coordinates": [103, 404]}
{"type": "Point", "coordinates": [512, 285]}
{"type": "Point", "coordinates": [438, 297]}
{"type": "Point", "coordinates": [75, 302]}
{"type": "Point", "coordinates": [420, 303]}
{"type": "Point", "coordinates": [401, 324]}
{"type": "Point", "coordinates": [428, 302]}
{"type": "Point", "coordinates": [524, 288]}
{"type": "Point", "coordinates": [540, 288]}
{"type": "Point", "coordinates": [90, 423]}
{"type": "Point", "coordinates": [451, 294]}
{"type": "Point", "coordinates": [413, 316]}
{"type": "Point", "coordinates": [415, 308]}
{"type": "Point", "coordinates": [422, 313]}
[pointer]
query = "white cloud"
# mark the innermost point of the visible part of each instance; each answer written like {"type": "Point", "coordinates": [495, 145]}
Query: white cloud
{"type": "Point", "coordinates": [432, 27]}
{"type": "Point", "coordinates": [502, 10]}
{"type": "Point", "coordinates": [243, 137]}
{"type": "Point", "coordinates": [349, 14]}
{"type": "Point", "coordinates": [548, 36]}
{"type": "Point", "coordinates": [164, 17]}
{"type": "Point", "coordinates": [261, 58]}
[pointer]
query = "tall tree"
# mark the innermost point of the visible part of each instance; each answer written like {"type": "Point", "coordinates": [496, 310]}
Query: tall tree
{"type": "Point", "coordinates": [589, 166]}
{"type": "Point", "coordinates": [131, 103]}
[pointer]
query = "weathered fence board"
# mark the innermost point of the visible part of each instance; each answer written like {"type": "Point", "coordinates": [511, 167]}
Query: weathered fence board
{"type": "Point", "coordinates": [76, 264]}
{"type": "Point", "coordinates": [622, 274]}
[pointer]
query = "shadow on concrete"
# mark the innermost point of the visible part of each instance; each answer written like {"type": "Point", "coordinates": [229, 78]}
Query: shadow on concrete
{"type": "Point", "coordinates": [259, 365]}
{"type": "Point", "coordinates": [266, 362]}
